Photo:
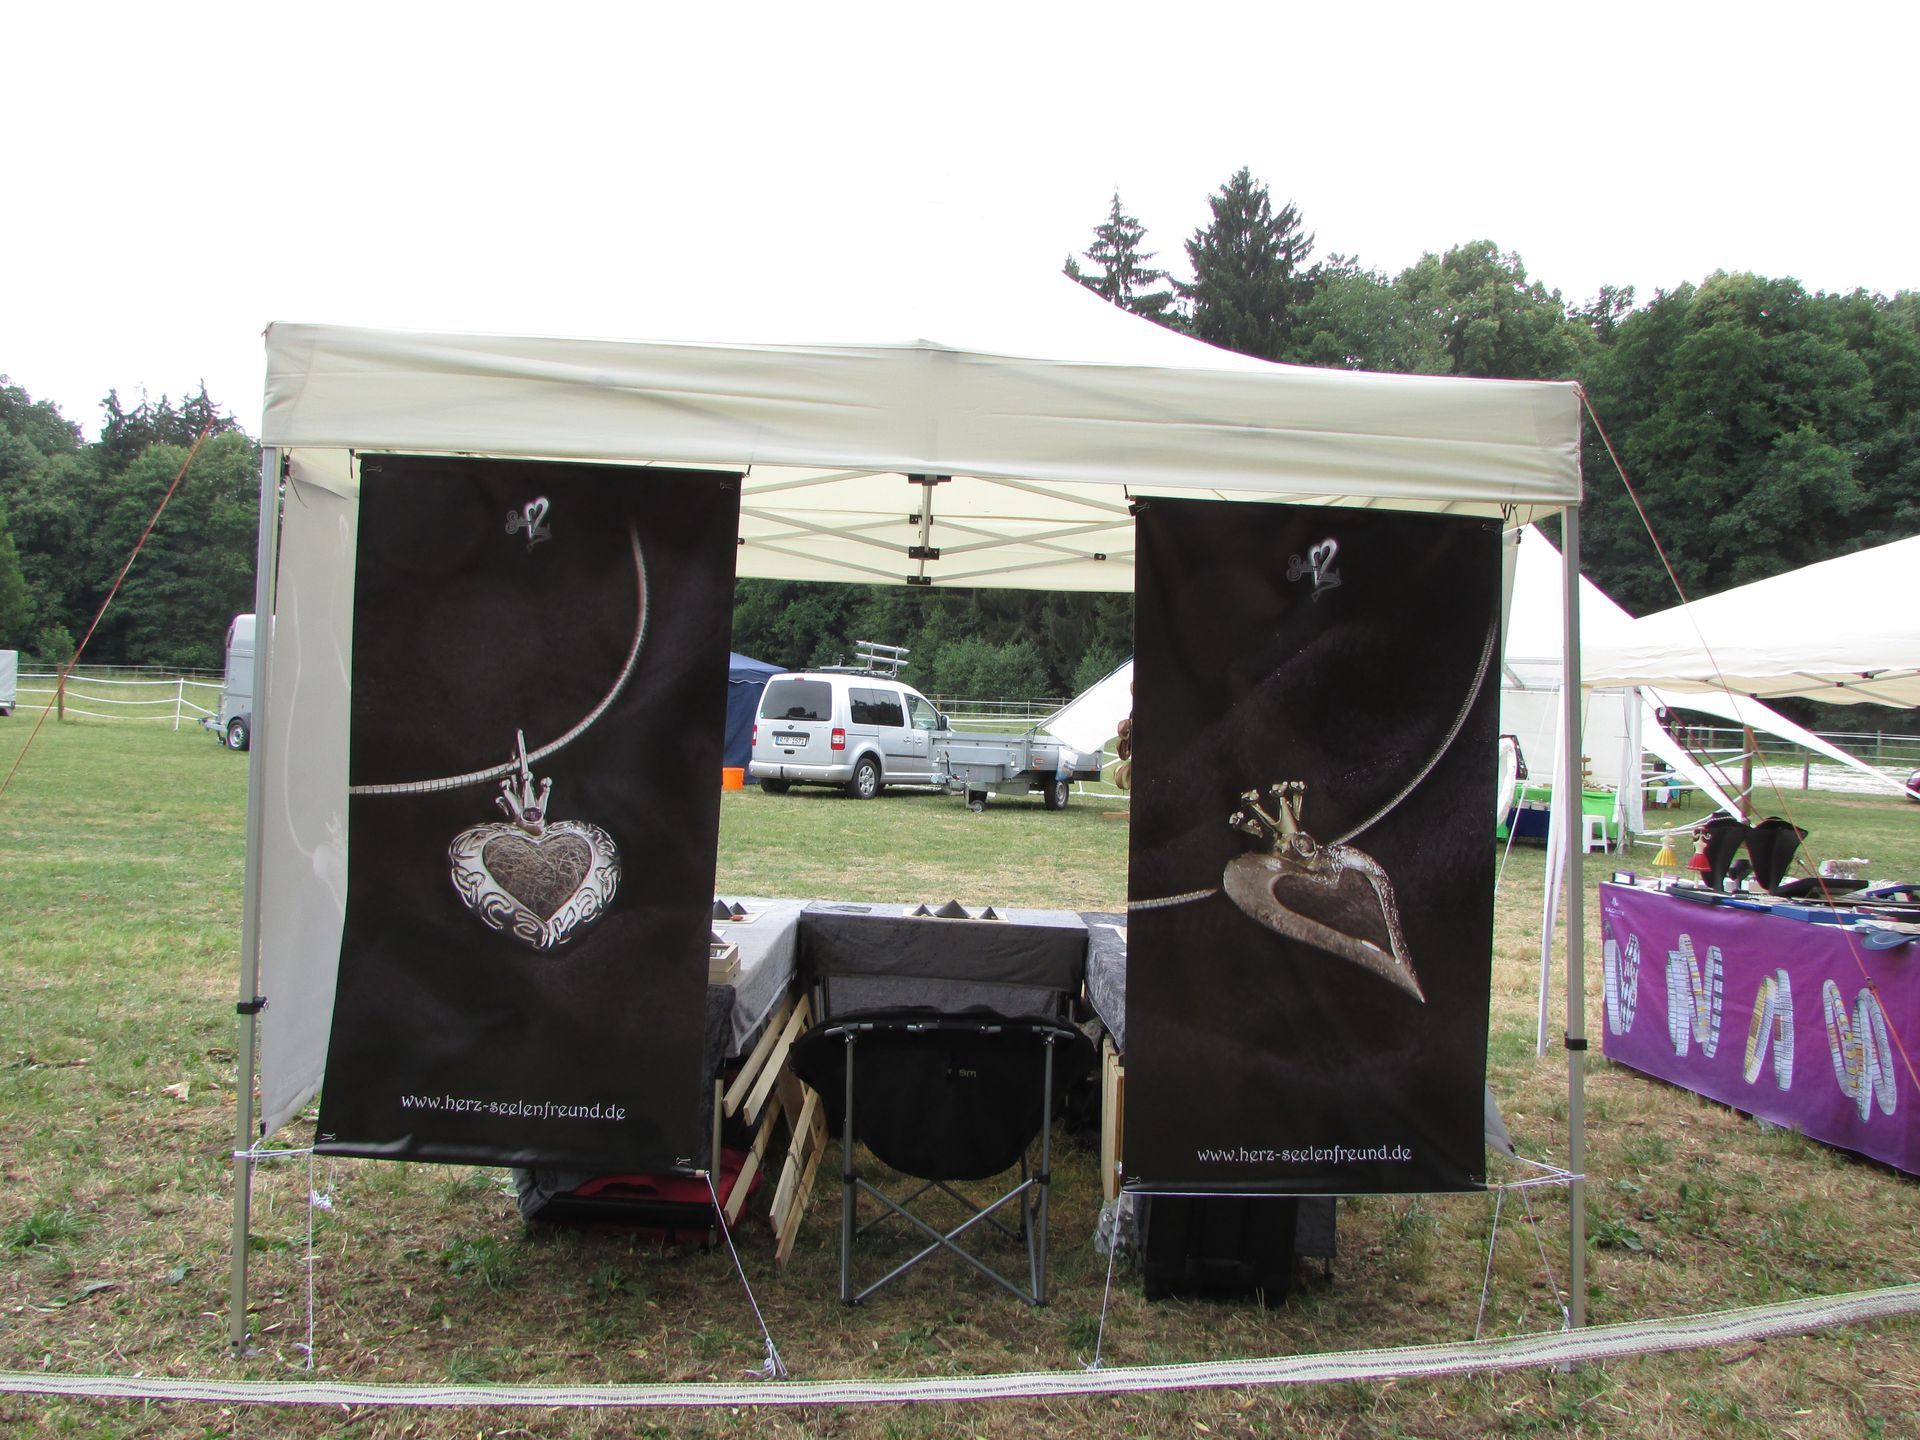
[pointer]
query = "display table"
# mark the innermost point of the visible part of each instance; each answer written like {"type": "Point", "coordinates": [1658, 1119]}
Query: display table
{"type": "Point", "coordinates": [1022, 962]}
{"type": "Point", "coordinates": [767, 935]}
{"type": "Point", "coordinates": [1779, 1010]}
{"type": "Point", "coordinates": [1530, 815]}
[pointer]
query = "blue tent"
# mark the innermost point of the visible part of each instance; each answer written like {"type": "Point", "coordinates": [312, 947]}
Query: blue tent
{"type": "Point", "coordinates": [746, 678]}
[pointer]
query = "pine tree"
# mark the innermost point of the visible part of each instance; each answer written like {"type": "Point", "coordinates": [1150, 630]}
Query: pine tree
{"type": "Point", "coordinates": [1125, 276]}
{"type": "Point", "coordinates": [1250, 273]}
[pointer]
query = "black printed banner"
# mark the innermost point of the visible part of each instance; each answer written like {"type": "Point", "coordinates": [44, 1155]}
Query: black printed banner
{"type": "Point", "coordinates": [1310, 938]}
{"type": "Point", "coordinates": [539, 694]}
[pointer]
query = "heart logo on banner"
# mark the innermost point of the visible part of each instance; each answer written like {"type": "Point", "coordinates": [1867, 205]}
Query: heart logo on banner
{"type": "Point", "coordinates": [540, 889]}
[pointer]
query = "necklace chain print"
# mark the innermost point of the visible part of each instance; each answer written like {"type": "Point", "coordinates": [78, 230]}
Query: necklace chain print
{"type": "Point", "coordinates": [538, 880]}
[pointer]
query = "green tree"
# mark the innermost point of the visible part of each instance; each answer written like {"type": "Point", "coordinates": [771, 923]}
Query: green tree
{"type": "Point", "coordinates": [979, 669]}
{"type": "Point", "coordinates": [1496, 322]}
{"type": "Point", "coordinates": [53, 645]}
{"type": "Point", "coordinates": [37, 423]}
{"type": "Point", "coordinates": [16, 605]}
{"type": "Point", "coordinates": [1098, 663]}
{"type": "Point", "coordinates": [1250, 272]}
{"type": "Point", "coordinates": [52, 506]}
{"type": "Point", "coordinates": [1356, 319]}
{"type": "Point", "coordinates": [804, 623]}
{"type": "Point", "coordinates": [1756, 423]}
{"type": "Point", "coordinates": [45, 483]}
{"type": "Point", "coordinates": [1124, 275]}
{"type": "Point", "coordinates": [126, 434]}
{"type": "Point", "coordinates": [196, 569]}
{"type": "Point", "coordinates": [1605, 311]}
{"type": "Point", "coordinates": [1885, 334]}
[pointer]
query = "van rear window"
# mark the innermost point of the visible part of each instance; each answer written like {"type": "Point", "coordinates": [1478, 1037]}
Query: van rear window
{"type": "Point", "coordinates": [797, 700]}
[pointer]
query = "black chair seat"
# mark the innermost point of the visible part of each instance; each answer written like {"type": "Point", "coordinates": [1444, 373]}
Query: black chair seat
{"type": "Point", "coordinates": [945, 1097]}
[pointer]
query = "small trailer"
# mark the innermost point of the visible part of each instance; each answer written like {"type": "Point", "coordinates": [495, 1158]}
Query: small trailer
{"type": "Point", "coordinates": [976, 765]}
{"type": "Point", "coordinates": [232, 723]}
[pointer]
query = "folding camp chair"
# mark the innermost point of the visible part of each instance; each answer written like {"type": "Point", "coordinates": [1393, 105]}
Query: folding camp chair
{"type": "Point", "coordinates": [944, 1098]}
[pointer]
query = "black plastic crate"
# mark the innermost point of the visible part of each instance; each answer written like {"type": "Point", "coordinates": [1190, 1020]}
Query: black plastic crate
{"type": "Point", "coordinates": [1218, 1245]}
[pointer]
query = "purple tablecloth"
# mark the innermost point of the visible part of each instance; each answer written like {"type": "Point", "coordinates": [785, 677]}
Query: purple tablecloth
{"type": "Point", "coordinates": [1799, 1023]}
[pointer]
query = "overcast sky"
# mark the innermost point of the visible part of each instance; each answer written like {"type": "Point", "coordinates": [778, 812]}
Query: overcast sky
{"type": "Point", "coordinates": [179, 176]}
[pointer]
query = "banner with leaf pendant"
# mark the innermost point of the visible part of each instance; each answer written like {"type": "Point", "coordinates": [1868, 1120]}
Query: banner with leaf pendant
{"type": "Point", "coordinates": [1312, 853]}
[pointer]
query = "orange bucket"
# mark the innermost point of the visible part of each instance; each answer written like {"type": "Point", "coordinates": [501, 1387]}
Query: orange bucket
{"type": "Point", "coordinates": [733, 777]}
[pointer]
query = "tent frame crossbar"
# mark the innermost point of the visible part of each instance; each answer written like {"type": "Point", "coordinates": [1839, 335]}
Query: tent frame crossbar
{"type": "Point", "coordinates": [1039, 540]}
{"type": "Point", "coordinates": [856, 573]}
{"type": "Point", "coordinates": [797, 529]}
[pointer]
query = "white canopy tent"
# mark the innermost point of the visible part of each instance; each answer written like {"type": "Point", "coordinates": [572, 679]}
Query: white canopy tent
{"type": "Point", "coordinates": [1846, 631]}
{"type": "Point", "coordinates": [1092, 718]}
{"type": "Point", "coordinates": [973, 462]}
{"type": "Point", "coordinates": [1533, 670]}
{"type": "Point", "coordinates": [1625, 697]}
{"type": "Point", "coordinates": [1630, 710]}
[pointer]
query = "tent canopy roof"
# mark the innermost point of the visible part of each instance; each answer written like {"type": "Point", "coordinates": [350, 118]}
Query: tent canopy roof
{"type": "Point", "coordinates": [1042, 434]}
{"type": "Point", "coordinates": [1534, 641]}
{"type": "Point", "coordinates": [1844, 631]}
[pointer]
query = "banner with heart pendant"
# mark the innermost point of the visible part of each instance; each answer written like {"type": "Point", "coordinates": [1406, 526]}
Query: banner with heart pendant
{"type": "Point", "coordinates": [1316, 695]}
{"type": "Point", "coordinates": [538, 681]}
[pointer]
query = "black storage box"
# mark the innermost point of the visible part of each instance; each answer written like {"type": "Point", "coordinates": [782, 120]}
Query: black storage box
{"type": "Point", "coordinates": [1218, 1245]}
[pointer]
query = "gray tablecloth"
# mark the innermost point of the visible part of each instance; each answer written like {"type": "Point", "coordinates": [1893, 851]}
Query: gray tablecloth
{"type": "Point", "coordinates": [1107, 971]}
{"type": "Point", "coordinates": [769, 941]}
{"type": "Point", "coordinates": [881, 956]}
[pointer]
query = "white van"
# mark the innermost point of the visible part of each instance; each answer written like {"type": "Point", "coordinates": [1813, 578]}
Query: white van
{"type": "Point", "coordinates": [853, 729]}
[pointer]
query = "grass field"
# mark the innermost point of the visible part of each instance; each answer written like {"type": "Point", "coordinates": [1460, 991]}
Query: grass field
{"type": "Point", "coordinates": [120, 881]}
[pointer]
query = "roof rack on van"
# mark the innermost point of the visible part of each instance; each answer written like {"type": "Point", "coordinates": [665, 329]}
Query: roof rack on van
{"type": "Point", "coordinates": [877, 659]}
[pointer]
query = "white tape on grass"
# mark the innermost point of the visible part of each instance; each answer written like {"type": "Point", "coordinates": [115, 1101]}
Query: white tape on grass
{"type": "Point", "coordinates": [1600, 1342]}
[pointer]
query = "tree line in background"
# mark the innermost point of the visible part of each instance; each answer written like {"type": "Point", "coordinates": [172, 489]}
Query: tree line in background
{"type": "Point", "coordinates": [1762, 428]}
{"type": "Point", "coordinates": [71, 513]}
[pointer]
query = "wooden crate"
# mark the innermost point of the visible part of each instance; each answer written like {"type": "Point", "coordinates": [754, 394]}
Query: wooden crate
{"type": "Point", "coordinates": [1113, 1115]}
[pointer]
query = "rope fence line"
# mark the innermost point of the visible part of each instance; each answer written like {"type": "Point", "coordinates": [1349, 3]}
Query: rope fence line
{"type": "Point", "coordinates": [1550, 1349]}
{"type": "Point", "coordinates": [168, 699]}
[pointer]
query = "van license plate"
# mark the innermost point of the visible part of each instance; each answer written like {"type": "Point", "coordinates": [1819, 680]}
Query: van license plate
{"type": "Point", "coordinates": [789, 739]}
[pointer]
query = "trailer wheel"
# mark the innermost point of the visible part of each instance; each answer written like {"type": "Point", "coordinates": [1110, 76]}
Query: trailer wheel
{"type": "Point", "coordinates": [1054, 796]}
{"type": "Point", "coordinates": [776, 787]}
{"type": "Point", "coordinates": [237, 733]}
{"type": "Point", "coordinates": [865, 783]}
{"type": "Point", "coordinates": [977, 801]}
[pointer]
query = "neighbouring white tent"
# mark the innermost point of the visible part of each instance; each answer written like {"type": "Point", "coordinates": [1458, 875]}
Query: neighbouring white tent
{"type": "Point", "coordinates": [1092, 718]}
{"type": "Point", "coordinates": [1846, 631]}
{"type": "Point", "coordinates": [1622, 702]}
{"type": "Point", "coordinates": [1619, 716]}
{"type": "Point", "coordinates": [1533, 670]}
{"type": "Point", "coordinates": [966, 459]}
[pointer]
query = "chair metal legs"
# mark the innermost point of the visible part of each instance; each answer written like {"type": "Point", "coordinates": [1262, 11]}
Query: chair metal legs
{"type": "Point", "coordinates": [1030, 1195]}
